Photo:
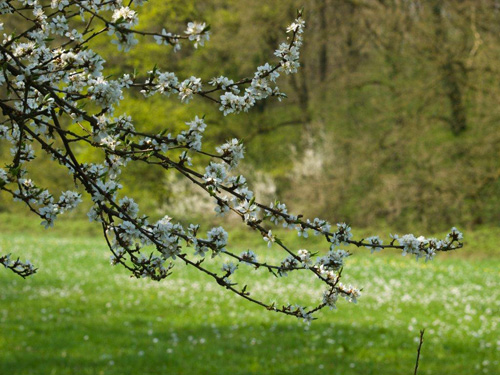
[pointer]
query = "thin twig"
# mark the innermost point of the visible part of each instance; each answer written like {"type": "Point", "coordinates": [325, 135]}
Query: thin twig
{"type": "Point", "coordinates": [418, 351]}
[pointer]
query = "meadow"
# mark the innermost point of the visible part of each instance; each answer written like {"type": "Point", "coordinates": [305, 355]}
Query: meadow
{"type": "Point", "coordinates": [79, 315]}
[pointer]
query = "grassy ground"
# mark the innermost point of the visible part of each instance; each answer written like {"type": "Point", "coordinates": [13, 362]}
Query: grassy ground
{"type": "Point", "coordinates": [79, 315]}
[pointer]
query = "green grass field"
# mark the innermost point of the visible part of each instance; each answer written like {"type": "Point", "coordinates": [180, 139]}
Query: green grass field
{"type": "Point", "coordinates": [79, 315]}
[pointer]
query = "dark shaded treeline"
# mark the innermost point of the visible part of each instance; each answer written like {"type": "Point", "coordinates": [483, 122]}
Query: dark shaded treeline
{"type": "Point", "coordinates": [392, 119]}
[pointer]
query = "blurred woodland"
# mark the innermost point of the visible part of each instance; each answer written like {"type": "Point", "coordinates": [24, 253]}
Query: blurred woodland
{"type": "Point", "coordinates": [393, 119]}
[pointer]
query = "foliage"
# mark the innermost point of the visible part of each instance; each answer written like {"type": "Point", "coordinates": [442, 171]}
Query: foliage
{"type": "Point", "coordinates": [369, 107]}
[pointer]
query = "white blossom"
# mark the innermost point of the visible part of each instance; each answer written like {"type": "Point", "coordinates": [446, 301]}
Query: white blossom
{"type": "Point", "coordinates": [198, 33]}
{"type": "Point", "coordinates": [4, 178]}
{"type": "Point", "coordinates": [248, 257]}
{"type": "Point", "coordinates": [375, 241]}
{"type": "Point", "coordinates": [330, 299]}
{"type": "Point", "coordinates": [269, 238]}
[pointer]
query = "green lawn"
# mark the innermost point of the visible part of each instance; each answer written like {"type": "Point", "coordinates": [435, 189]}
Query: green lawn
{"type": "Point", "coordinates": [79, 315]}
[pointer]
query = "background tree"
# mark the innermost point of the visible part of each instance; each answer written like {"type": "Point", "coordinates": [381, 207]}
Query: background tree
{"type": "Point", "coordinates": [375, 83]}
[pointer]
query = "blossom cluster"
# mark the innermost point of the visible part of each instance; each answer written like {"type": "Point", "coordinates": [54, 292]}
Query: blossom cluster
{"type": "Point", "coordinates": [49, 75]}
{"type": "Point", "coordinates": [23, 269]}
